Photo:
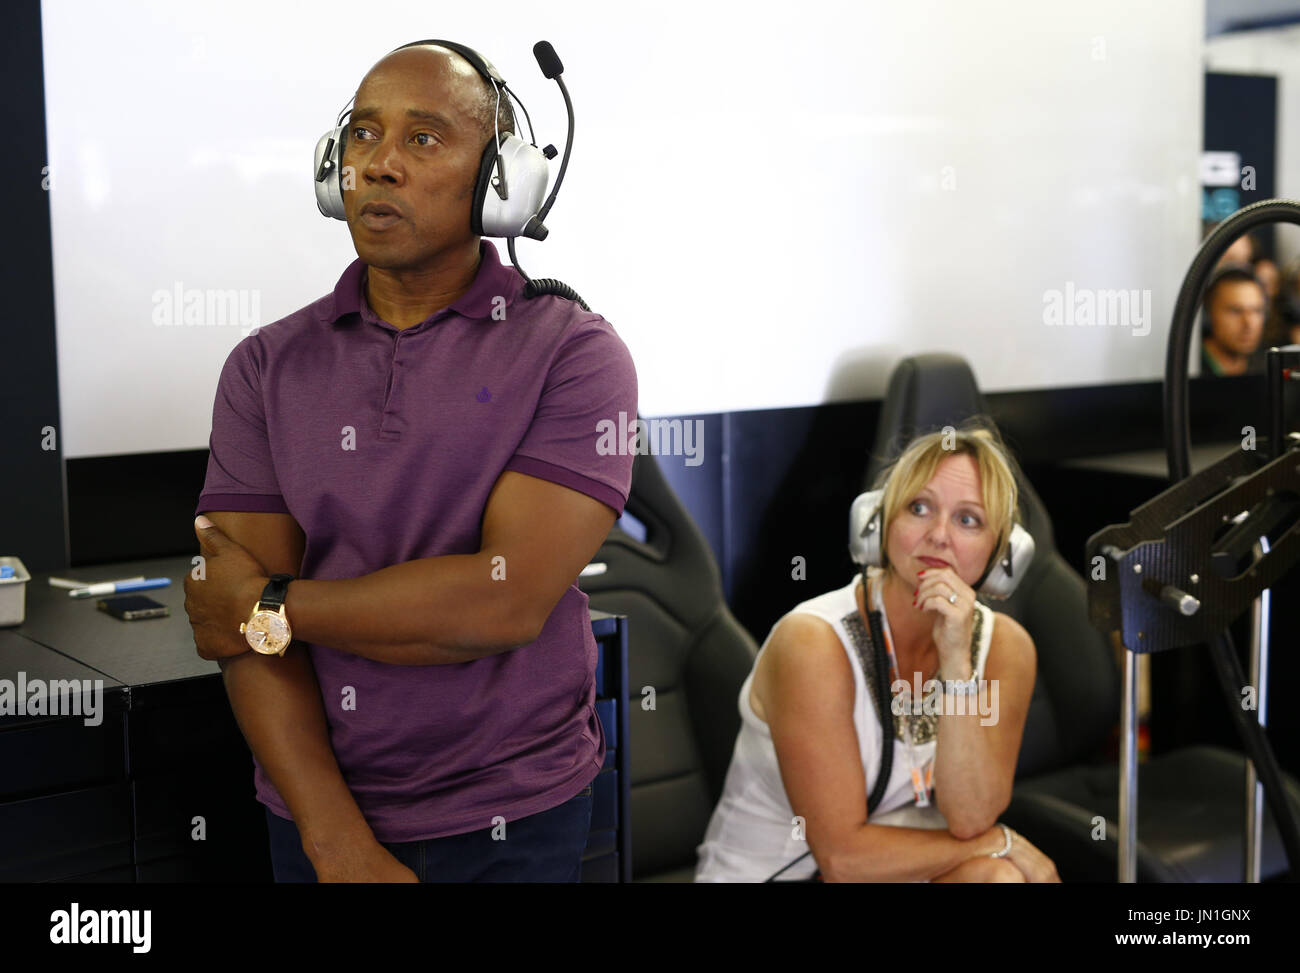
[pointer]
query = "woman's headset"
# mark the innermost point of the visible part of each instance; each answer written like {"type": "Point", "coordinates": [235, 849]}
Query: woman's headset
{"type": "Point", "coordinates": [1000, 577]}
{"type": "Point", "coordinates": [512, 174]}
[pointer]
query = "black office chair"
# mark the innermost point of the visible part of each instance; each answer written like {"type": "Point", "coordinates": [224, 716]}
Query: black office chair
{"type": "Point", "coordinates": [1190, 802]}
{"type": "Point", "coordinates": [684, 642]}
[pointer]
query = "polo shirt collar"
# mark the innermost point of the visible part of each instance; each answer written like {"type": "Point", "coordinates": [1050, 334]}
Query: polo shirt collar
{"type": "Point", "coordinates": [492, 280]}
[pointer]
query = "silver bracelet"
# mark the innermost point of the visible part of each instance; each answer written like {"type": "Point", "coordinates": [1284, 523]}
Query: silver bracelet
{"type": "Point", "coordinates": [1003, 853]}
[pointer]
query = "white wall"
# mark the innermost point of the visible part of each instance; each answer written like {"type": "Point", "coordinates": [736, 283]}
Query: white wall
{"type": "Point", "coordinates": [772, 203]}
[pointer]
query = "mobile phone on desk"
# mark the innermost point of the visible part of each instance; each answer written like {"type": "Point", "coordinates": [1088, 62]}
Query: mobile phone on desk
{"type": "Point", "coordinates": [130, 608]}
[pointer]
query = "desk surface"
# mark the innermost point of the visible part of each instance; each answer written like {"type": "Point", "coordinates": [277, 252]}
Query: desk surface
{"type": "Point", "coordinates": [1152, 462]}
{"type": "Point", "coordinates": [153, 650]}
{"type": "Point", "coordinates": [18, 654]}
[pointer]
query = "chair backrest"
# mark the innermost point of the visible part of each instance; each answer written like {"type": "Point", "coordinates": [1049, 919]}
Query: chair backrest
{"type": "Point", "coordinates": [1077, 689]}
{"type": "Point", "coordinates": [684, 643]}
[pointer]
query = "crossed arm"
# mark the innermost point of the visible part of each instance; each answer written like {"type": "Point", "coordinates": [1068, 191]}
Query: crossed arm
{"type": "Point", "coordinates": [430, 611]}
{"type": "Point", "coordinates": [536, 536]}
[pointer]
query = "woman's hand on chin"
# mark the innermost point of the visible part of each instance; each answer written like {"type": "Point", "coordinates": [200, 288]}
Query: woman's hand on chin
{"type": "Point", "coordinates": [953, 619]}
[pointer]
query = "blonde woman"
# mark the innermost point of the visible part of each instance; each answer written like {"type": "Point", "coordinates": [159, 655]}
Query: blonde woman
{"type": "Point", "coordinates": [809, 756]}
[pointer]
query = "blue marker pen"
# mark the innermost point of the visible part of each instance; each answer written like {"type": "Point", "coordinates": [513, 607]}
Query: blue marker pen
{"type": "Point", "coordinates": [113, 587]}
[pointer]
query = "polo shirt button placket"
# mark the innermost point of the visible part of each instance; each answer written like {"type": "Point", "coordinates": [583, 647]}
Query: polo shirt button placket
{"type": "Point", "coordinates": [390, 406]}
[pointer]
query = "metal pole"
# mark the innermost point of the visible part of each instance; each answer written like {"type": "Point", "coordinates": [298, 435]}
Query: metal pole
{"type": "Point", "coordinates": [1258, 679]}
{"type": "Point", "coordinates": [1128, 779]}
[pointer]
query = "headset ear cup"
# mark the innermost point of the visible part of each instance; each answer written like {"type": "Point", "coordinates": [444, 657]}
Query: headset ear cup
{"type": "Point", "coordinates": [526, 174]}
{"type": "Point", "coordinates": [1001, 584]}
{"type": "Point", "coordinates": [483, 186]}
{"type": "Point", "coordinates": [865, 542]}
{"type": "Point", "coordinates": [329, 191]}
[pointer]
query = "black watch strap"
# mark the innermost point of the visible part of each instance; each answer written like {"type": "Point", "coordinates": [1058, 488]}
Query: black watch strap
{"type": "Point", "coordinates": [273, 594]}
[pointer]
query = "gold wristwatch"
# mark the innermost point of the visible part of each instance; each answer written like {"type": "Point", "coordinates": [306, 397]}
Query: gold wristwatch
{"type": "Point", "coordinates": [267, 629]}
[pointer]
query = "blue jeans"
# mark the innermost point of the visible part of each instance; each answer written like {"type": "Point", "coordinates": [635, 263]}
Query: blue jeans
{"type": "Point", "coordinates": [543, 847]}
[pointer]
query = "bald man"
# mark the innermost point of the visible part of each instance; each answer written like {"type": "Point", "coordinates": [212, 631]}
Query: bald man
{"type": "Point", "coordinates": [418, 451]}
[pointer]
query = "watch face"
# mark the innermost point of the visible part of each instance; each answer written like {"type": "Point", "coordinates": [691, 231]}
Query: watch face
{"type": "Point", "coordinates": [267, 632]}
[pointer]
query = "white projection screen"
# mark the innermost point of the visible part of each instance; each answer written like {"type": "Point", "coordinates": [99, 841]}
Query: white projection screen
{"type": "Point", "coordinates": [770, 202]}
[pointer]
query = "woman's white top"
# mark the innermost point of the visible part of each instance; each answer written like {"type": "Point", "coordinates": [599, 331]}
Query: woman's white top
{"type": "Point", "coordinates": [752, 833]}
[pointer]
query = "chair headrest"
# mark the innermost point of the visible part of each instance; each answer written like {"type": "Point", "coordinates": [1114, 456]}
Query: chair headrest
{"type": "Point", "coordinates": [927, 392]}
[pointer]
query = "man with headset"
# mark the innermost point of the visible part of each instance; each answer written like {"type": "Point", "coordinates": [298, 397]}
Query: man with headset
{"type": "Point", "coordinates": [404, 480]}
{"type": "Point", "coordinates": [1235, 307]}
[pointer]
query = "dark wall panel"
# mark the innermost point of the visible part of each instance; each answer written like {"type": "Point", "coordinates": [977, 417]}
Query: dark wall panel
{"type": "Point", "coordinates": [31, 487]}
{"type": "Point", "coordinates": [1241, 117]}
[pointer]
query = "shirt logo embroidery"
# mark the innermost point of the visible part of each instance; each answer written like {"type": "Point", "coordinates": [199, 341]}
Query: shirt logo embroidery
{"type": "Point", "coordinates": [484, 395]}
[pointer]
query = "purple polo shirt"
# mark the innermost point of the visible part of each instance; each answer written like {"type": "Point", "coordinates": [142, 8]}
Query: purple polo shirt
{"type": "Point", "coordinates": [384, 444]}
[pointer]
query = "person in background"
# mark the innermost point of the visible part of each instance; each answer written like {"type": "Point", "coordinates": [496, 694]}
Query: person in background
{"type": "Point", "coordinates": [1232, 322]}
{"type": "Point", "coordinates": [1275, 331]}
{"type": "Point", "coordinates": [1267, 272]}
{"type": "Point", "coordinates": [1288, 304]}
{"type": "Point", "coordinates": [1241, 251]}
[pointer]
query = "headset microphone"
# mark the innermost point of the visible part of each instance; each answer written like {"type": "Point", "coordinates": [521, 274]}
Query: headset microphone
{"type": "Point", "coordinates": [552, 68]}
{"type": "Point", "coordinates": [548, 60]}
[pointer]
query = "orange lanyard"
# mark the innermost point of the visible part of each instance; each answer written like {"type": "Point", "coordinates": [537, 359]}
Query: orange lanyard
{"type": "Point", "coordinates": [923, 775]}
